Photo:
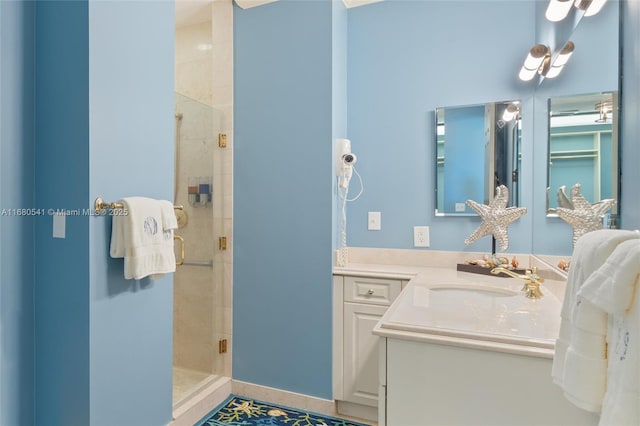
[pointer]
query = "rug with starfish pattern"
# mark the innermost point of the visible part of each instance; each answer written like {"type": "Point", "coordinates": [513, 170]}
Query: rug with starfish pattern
{"type": "Point", "coordinates": [239, 411]}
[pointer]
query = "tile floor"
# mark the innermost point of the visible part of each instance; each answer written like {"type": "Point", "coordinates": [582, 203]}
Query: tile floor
{"type": "Point", "coordinates": [186, 382]}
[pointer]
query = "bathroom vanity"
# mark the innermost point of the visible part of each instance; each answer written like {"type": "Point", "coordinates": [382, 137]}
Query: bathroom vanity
{"type": "Point", "coordinates": [452, 347]}
{"type": "Point", "coordinates": [360, 301]}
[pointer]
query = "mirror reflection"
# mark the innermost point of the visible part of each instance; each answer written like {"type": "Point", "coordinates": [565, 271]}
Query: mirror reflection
{"type": "Point", "coordinates": [478, 149]}
{"type": "Point", "coordinates": [583, 148]}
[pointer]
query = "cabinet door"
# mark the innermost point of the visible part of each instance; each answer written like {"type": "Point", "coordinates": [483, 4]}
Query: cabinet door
{"type": "Point", "coordinates": [361, 353]}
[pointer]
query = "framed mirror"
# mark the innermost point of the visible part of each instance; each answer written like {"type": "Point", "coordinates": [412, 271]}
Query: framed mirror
{"type": "Point", "coordinates": [477, 149]}
{"type": "Point", "coordinates": [583, 149]}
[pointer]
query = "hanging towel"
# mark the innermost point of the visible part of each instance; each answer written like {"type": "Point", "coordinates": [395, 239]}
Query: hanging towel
{"type": "Point", "coordinates": [611, 292]}
{"type": "Point", "coordinates": [621, 405]}
{"type": "Point", "coordinates": [144, 237]}
{"type": "Point", "coordinates": [611, 287]}
{"type": "Point", "coordinates": [579, 347]}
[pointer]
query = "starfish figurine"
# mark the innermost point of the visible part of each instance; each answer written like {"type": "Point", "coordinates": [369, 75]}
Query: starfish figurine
{"type": "Point", "coordinates": [584, 217]}
{"type": "Point", "coordinates": [496, 217]}
{"type": "Point", "coordinates": [563, 200]}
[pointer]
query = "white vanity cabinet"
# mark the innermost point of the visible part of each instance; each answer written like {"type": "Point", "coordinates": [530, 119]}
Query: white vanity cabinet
{"type": "Point", "coordinates": [436, 384]}
{"type": "Point", "coordinates": [359, 303]}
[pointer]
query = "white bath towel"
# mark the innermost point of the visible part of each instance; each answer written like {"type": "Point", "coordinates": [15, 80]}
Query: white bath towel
{"type": "Point", "coordinates": [144, 237]}
{"type": "Point", "coordinates": [580, 347]}
{"type": "Point", "coordinates": [611, 293]}
{"type": "Point", "coordinates": [611, 286]}
{"type": "Point", "coordinates": [621, 406]}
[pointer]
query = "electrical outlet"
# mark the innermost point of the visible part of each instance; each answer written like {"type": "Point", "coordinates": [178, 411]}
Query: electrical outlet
{"type": "Point", "coordinates": [373, 223]}
{"type": "Point", "coordinates": [461, 207]}
{"type": "Point", "coordinates": [421, 236]}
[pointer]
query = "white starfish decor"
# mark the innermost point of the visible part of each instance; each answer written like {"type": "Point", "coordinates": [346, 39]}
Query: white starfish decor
{"type": "Point", "coordinates": [496, 218]}
{"type": "Point", "coordinates": [582, 216]}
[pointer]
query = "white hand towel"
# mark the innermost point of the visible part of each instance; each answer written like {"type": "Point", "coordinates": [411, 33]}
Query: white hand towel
{"type": "Point", "coordinates": [590, 252]}
{"type": "Point", "coordinates": [621, 406]}
{"type": "Point", "coordinates": [169, 219]}
{"type": "Point", "coordinates": [613, 290]}
{"type": "Point", "coordinates": [586, 379]}
{"type": "Point", "coordinates": [611, 286]}
{"type": "Point", "coordinates": [144, 237]}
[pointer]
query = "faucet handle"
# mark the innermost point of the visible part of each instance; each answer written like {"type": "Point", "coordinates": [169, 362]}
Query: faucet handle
{"type": "Point", "coordinates": [533, 275]}
{"type": "Point", "coordinates": [531, 286]}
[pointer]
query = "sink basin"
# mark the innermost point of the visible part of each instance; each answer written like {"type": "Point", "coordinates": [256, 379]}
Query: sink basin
{"type": "Point", "coordinates": [478, 310]}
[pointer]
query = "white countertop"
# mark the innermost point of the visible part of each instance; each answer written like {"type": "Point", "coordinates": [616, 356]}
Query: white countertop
{"type": "Point", "coordinates": [442, 305]}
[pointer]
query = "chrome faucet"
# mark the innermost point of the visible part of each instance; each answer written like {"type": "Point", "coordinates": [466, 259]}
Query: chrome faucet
{"type": "Point", "coordinates": [531, 280]}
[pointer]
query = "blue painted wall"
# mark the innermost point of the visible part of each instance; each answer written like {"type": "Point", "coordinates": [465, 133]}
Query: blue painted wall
{"type": "Point", "coordinates": [104, 128]}
{"type": "Point", "coordinates": [130, 153]}
{"type": "Point", "coordinates": [283, 129]}
{"type": "Point", "coordinates": [405, 59]}
{"type": "Point", "coordinates": [339, 99]}
{"type": "Point", "coordinates": [16, 191]}
{"type": "Point", "coordinates": [62, 165]}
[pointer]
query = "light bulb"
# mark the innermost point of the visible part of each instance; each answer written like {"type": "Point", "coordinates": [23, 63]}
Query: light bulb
{"type": "Point", "coordinates": [594, 7]}
{"type": "Point", "coordinates": [535, 58]}
{"type": "Point", "coordinates": [527, 74]}
{"type": "Point", "coordinates": [561, 60]}
{"type": "Point", "coordinates": [558, 10]}
{"type": "Point", "coordinates": [510, 112]}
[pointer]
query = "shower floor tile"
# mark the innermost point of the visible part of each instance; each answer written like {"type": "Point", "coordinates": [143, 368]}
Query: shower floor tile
{"type": "Point", "coordinates": [186, 382]}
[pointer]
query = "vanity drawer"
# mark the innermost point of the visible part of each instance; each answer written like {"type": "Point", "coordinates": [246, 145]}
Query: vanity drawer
{"type": "Point", "coordinates": [378, 291]}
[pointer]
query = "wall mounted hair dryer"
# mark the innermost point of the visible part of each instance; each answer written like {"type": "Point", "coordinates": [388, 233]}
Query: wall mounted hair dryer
{"type": "Point", "coordinates": [345, 159]}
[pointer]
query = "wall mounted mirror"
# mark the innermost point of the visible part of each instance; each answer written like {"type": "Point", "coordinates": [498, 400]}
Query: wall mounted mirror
{"type": "Point", "coordinates": [478, 148]}
{"type": "Point", "coordinates": [583, 149]}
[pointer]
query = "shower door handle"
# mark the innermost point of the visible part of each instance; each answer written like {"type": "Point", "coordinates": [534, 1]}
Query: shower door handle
{"type": "Point", "coordinates": [181, 258]}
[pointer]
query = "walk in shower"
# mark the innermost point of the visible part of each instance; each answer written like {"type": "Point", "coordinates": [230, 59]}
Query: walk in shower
{"type": "Point", "coordinates": [204, 186]}
{"type": "Point", "coordinates": [194, 325]}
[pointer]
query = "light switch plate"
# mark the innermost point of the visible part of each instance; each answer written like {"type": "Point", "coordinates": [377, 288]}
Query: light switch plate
{"type": "Point", "coordinates": [59, 225]}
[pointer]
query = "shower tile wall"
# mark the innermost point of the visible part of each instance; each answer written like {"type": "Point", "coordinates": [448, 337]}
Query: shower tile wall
{"type": "Point", "coordinates": [194, 61]}
{"type": "Point", "coordinates": [203, 73]}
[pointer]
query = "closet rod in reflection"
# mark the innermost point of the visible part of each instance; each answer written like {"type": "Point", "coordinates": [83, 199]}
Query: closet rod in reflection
{"type": "Point", "coordinates": [100, 205]}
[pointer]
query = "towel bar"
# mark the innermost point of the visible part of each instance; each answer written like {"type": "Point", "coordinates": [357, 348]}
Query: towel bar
{"type": "Point", "coordinates": [208, 264]}
{"type": "Point", "coordinates": [100, 206]}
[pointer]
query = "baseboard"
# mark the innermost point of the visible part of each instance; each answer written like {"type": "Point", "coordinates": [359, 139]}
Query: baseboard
{"type": "Point", "coordinates": [358, 411]}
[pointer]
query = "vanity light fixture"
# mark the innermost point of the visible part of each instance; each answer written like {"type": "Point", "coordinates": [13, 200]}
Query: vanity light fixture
{"type": "Point", "coordinates": [510, 112]}
{"type": "Point", "coordinates": [561, 60]}
{"type": "Point", "coordinates": [604, 108]}
{"type": "Point", "coordinates": [590, 7]}
{"type": "Point", "coordinates": [537, 62]}
{"type": "Point", "coordinates": [557, 10]}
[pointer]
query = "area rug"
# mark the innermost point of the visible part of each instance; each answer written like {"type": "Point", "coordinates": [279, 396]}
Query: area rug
{"type": "Point", "coordinates": [239, 411]}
